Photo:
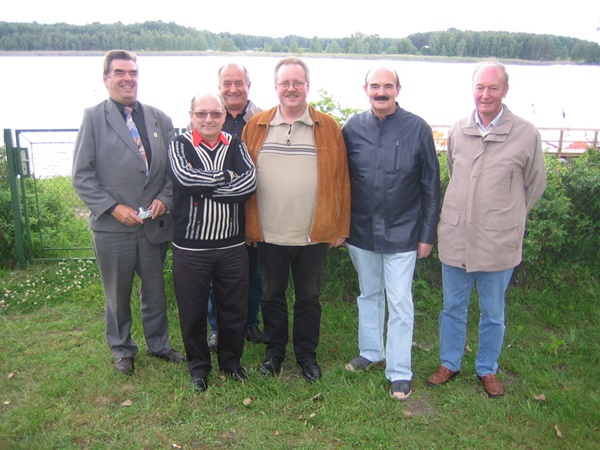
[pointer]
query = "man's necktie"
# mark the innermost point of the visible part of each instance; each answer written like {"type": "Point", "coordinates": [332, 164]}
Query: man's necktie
{"type": "Point", "coordinates": [135, 134]}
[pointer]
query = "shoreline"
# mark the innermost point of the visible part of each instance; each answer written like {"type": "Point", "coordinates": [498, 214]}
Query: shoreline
{"type": "Point", "coordinates": [422, 58]}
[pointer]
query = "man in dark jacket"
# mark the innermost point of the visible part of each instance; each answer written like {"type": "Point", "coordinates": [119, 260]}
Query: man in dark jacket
{"type": "Point", "coordinates": [394, 175]}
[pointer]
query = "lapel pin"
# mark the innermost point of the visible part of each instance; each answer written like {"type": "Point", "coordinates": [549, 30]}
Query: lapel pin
{"type": "Point", "coordinates": [156, 135]}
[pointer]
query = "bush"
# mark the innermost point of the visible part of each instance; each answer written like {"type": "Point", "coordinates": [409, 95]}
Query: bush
{"type": "Point", "coordinates": [562, 236]}
{"type": "Point", "coordinates": [8, 248]}
{"type": "Point", "coordinates": [563, 230]}
{"type": "Point", "coordinates": [53, 218]}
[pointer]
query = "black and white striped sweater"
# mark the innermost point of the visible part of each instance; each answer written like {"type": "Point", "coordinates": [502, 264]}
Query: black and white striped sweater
{"type": "Point", "coordinates": [210, 187]}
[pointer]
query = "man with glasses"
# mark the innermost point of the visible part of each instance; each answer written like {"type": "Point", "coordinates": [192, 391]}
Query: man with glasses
{"type": "Point", "coordinates": [119, 171]}
{"type": "Point", "coordinates": [212, 177]}
{"type": "Point", "coordinates": [302, 207]}
{"type": "Point", "coordinates": [234, 86]}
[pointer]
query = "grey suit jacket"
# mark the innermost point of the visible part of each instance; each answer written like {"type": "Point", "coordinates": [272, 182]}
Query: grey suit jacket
{"type": "Point", "coordinates": [108, 169]}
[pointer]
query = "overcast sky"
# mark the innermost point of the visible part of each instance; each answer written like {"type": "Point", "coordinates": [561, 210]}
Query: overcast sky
{"type": "Point", "coordinates": [327, 18]}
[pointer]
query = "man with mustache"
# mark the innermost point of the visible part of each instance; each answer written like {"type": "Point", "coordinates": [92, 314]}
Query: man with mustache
{"type": "Point", "coordinates": [301, 208]}
{"type": "Point", "coordinates": [394, 174]}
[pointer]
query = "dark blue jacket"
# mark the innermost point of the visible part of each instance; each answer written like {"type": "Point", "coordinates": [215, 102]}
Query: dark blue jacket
{"type": "Point", "coordinates": [395, 182]}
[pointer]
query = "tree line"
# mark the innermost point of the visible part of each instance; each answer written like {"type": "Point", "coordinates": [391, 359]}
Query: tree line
{"type": "Point", "coordinates": [161, 36]}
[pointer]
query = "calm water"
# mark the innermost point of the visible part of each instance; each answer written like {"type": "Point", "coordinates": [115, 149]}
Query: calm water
{"type": "Point", "coordinates": [47, 92]}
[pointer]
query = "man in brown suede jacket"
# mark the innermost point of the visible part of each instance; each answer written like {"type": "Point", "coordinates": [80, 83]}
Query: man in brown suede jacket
{"type": "Point", "coordinates": [301, 208]}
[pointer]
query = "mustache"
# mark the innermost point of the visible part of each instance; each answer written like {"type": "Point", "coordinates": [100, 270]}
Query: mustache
{"type": "Point", "coordinates": [381, 98]}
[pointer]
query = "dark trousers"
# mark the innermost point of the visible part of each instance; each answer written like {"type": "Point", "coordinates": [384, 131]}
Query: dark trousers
{"type": "Point", "coordinates": [306, 264]}
{"type": "Point", "coordinates": [254, 293]}
{"type": "Point", "coordinates": [192, 275]}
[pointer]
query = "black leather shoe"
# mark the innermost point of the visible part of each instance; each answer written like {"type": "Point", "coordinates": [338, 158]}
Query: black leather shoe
{"type": "Point", "coordinates": [124, 365]}
{"type": "Point", "coordinates": [172, 356]}
{"type": "Point", "coordinates": [253, 335]}
{"type": "Point", "coordinates": [239, 374]}
{"type": "Point", "coordinates": [311, 370]}
{"type": "Point", "coordinates": [271, 365]}
{"type": "Point", "coordinates": [200, 384]}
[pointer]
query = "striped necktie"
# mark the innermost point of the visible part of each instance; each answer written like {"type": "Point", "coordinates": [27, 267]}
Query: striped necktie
{"type": "Point", "coordinates": [135, 134]}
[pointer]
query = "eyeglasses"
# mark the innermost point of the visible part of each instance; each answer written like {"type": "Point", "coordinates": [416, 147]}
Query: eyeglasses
{"type": "Point", "coordinates": [204, 114]}
{"type": "Point", "coordinates": [287, 84]}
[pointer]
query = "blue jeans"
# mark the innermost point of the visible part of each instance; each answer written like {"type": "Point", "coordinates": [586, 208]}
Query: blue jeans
{"type": "Point", "coordinates": [458, 285]}
{"type": "Point", "coordinates": [380, 276]}
{"type": "Point", "coordinates": [254, 293]}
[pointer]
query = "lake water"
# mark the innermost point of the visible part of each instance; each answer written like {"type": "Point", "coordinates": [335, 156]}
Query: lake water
{"type": "Point", "coordinates": [49, 92]}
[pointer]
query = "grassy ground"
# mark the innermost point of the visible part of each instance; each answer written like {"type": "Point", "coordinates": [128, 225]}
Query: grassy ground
{"type": "Point", "coordinates": [58, 388]}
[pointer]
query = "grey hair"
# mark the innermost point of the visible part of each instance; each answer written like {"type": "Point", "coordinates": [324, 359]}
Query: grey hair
{"type": "Point", "coordinates": [293, 60]}
{"type": "Point", "coordinates": [239, 66]}
{"type": "Point", "coordinates": [491, 62]}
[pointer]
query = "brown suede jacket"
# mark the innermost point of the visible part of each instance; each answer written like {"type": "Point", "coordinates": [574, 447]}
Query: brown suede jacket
{"type": "Point", "coordinates": [332, 210]}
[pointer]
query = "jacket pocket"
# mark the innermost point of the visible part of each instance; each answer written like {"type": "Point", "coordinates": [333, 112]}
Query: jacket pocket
{"type": "Point", "coordinates": [450, 217]}
{"type": "Point", "coordinates": [500, 223]}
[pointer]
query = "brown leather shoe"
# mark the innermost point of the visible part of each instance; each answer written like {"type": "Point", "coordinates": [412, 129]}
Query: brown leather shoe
{"type": "Point", "coordinates": [441, 376]}
{"type": "Point", "coordinates": [492, 385]}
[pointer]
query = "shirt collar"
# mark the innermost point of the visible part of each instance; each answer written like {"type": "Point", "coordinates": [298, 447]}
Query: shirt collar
{"type": "Point", "coordinates": [278, 118]}
{"type": "Point", "coordinates": [121, 106]}
{"type": "Point", "coordinates": [197, 139]}
{"type": "Point", "coordinates": [242, 113]}
{"type": "Point", "coordinates": [492, 123]}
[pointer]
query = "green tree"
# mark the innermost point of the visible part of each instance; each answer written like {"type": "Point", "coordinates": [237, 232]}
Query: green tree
{"type": "Point", "coordinates": [315, 45]}
{"type": "Point", "coordinates": [294, 48]}
{"type": "Point", "coordinates": [333, 48]}
{"type": "Point", "coordinates": [227, 45]}
{"type": "Point", "coordinates": [278, 46]}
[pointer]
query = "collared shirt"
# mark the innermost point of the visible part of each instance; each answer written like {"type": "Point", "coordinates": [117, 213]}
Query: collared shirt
{"type": "Point", "coordinates": [486, 130]}
{"type": "Point", "coordinates": [287, 179]}
{"type": "Point", "coordinates": [198, 139]}
{"type": "Point", "coordinates": [235, 125]}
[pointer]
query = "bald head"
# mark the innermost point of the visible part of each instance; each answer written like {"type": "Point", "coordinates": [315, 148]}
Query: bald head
{"type": "Point", "coordinates": [382, 86]}
{"type": "Point", "coordinates": [208, 115]}
{"type": "Point", "coordinates": [203, 96]}
{"type": "Point", "coordinates": [384, 69]}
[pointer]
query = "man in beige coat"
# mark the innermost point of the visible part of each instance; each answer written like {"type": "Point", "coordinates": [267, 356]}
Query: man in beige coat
{"type": "Point", "coordinates": [497, 173]}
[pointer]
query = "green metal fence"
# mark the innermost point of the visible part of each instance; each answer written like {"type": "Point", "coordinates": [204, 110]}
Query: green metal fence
{"type": "Point", "coordinates": [50, 219]}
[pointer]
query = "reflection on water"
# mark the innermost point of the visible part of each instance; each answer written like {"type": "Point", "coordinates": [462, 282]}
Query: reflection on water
{"type": "Point", "coordinates": [553, 95]}
{"type": "Point", "coordinates": [50, 154]}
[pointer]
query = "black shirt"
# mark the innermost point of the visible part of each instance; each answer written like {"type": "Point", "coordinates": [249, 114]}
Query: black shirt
{"type": "Point", "coordinates": [140, 123]}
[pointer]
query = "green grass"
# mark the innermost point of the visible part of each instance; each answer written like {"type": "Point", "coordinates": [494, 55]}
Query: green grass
{"type": "Point", "coordinates": [58, 388]}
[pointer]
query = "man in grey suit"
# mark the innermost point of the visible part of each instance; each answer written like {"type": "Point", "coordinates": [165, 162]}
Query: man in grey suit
{"type": "Point", "coordinates": [119, 171]}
